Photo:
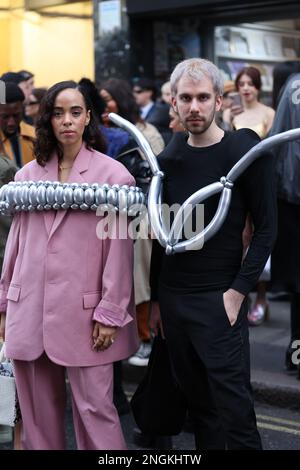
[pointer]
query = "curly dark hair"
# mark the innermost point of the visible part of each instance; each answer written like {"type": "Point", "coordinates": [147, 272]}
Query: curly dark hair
{"type": "Point", "coordinates": [121, 93]}
{"type": "Point", "coordinates": [46, 142]}
{"type": "Point", "coordinates": [98, 103]}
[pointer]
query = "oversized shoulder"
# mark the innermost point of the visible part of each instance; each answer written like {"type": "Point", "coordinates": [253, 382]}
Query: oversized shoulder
{"type": "Point", "coordinates": [94, 167]}
{"type": "Point", "coordinates": [114, 171]}
{"type": "Point", "coordinates": [28, 171]}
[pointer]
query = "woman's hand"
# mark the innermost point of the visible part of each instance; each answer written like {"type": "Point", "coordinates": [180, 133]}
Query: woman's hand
{"type": "Point", "coordinates": [2, 325]}
{"type": "Point", "coordinates": [230, 113]}
{"type": "Point", "coordinates": [235, 110]}
{"type": "Point", "coordinates": [103, 336]}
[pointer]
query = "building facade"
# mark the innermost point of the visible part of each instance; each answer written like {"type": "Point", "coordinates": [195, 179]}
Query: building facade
{"type": "Point", "coordinates": [54, 39]}
{"type": "Point", "coordinates": [151, 36]}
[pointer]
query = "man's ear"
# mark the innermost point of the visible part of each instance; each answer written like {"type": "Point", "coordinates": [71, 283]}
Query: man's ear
{"type": "Point", "coordinates": [174, 104]}
{"type": "Point", "coordinates": [219, 102]}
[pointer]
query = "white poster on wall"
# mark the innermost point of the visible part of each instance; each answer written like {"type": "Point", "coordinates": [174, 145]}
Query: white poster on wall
{"type": "Point", "coordinates": [109, 16]}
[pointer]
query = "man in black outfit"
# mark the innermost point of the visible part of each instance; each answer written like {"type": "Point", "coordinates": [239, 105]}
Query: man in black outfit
{"type": "Point", "coordinates": [202, 294]}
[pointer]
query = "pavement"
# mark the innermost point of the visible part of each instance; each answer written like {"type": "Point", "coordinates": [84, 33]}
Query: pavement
{"type": "Point", "coordinates": [271, 383]}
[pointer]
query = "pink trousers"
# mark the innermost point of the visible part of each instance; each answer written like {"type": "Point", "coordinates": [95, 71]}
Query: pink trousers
{"type": "Point", "coordinates": [41, 386]}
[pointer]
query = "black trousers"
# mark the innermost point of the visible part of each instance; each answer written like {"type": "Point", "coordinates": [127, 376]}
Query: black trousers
{"type": "Point", "coordinates": [211, 362]}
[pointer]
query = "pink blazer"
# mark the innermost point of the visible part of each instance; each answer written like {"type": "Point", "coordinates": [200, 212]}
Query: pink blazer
{"type": "Point", "coordinates": [58, 276]}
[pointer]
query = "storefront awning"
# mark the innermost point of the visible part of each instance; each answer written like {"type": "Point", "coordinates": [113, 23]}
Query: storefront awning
{"type": "Point", "coordinates": [211, 8]}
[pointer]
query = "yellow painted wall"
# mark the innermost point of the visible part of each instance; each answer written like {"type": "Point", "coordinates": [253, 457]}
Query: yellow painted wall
{"type": "Point", "coordinates": [54, 49]}
{"type": "Point", "coordinates": [4, 33]}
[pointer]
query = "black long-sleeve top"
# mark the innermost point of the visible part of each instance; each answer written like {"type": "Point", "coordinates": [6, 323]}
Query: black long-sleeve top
{"type": "Point", "coordinates": [218, 265]}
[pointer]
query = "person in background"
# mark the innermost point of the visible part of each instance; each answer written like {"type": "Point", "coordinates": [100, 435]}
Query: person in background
{"type": "Point", "coordinates": [258, 117]}
{"type": "Point", "coordinates": [24, 79]}
{"type": "Point", "coordinates": [229, 92]}
{"type": "Point", "coordinates": [16, 136]}
{"type": "Point", "coordinates": [285, 259]}
{"type": "Point", "coordinates": [16, 142]}
{"type": "Point", "coordinates": [26, 84]}
{"type": "Point", "coordinates": [175, 124]}
{"type": "Point", "coordinates": [281, 73]}
{"type": "Point", "coordinates": [62, 308]}
{"type": "Point", "coordinates": [7, 173]}
{"type": "Point", "coordinates": [115, 137]}
{"type": "Point", "coordinates": [151, 110]}
{"type": "Point", "coordinates": [254, 114]}
{"type": "Point", "coordinates": [32, 106]}
{"type": "Point", "coordinates": [118, 96]}
{"type": "Point", "coordinates": [144, 91]}
{"type": "Point", "coordinates": [119, 99]}
{"type": "Point", "coordinates": [12, 77]}
{"type": "Point", "coordinates": [166, 96]}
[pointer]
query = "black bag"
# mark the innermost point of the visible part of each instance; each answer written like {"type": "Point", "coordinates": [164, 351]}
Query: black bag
{"type": "Point", "coordinates": [158, 404]}
{"type": "Point", "coordinates": [138, 166]}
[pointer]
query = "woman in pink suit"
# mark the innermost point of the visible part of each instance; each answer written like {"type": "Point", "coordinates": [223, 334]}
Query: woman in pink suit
{"type": "Point", "coordinates": [67, 292]}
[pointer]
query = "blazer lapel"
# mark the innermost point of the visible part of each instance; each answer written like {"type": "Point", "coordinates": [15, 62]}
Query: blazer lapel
{"type": "Point", "coordinates": [81, 165]}
{"type": "Point", "coordinates": [49, 173]}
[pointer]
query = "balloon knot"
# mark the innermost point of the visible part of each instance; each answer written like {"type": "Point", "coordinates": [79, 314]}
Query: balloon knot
{"type": "Point", "coordinates": [226, 183]}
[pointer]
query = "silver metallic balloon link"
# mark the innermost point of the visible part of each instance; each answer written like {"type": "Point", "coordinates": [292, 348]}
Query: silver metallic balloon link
{"type": "Point", "coordinates": [32, 196]}
{"type": "Point", "coordinates": [171, 240]}
{"type": "Point", "coordinates": [226, 182]}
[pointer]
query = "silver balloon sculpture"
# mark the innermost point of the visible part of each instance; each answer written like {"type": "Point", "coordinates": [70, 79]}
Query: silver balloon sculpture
{"type": "Point", "coordinates": [170, 241]}
{"type": "Point", "coordinates": [29, 196]}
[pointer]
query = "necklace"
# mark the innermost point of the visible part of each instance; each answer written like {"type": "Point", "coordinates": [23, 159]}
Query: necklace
{"type": "Point", "coordinates": [61, 168]}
